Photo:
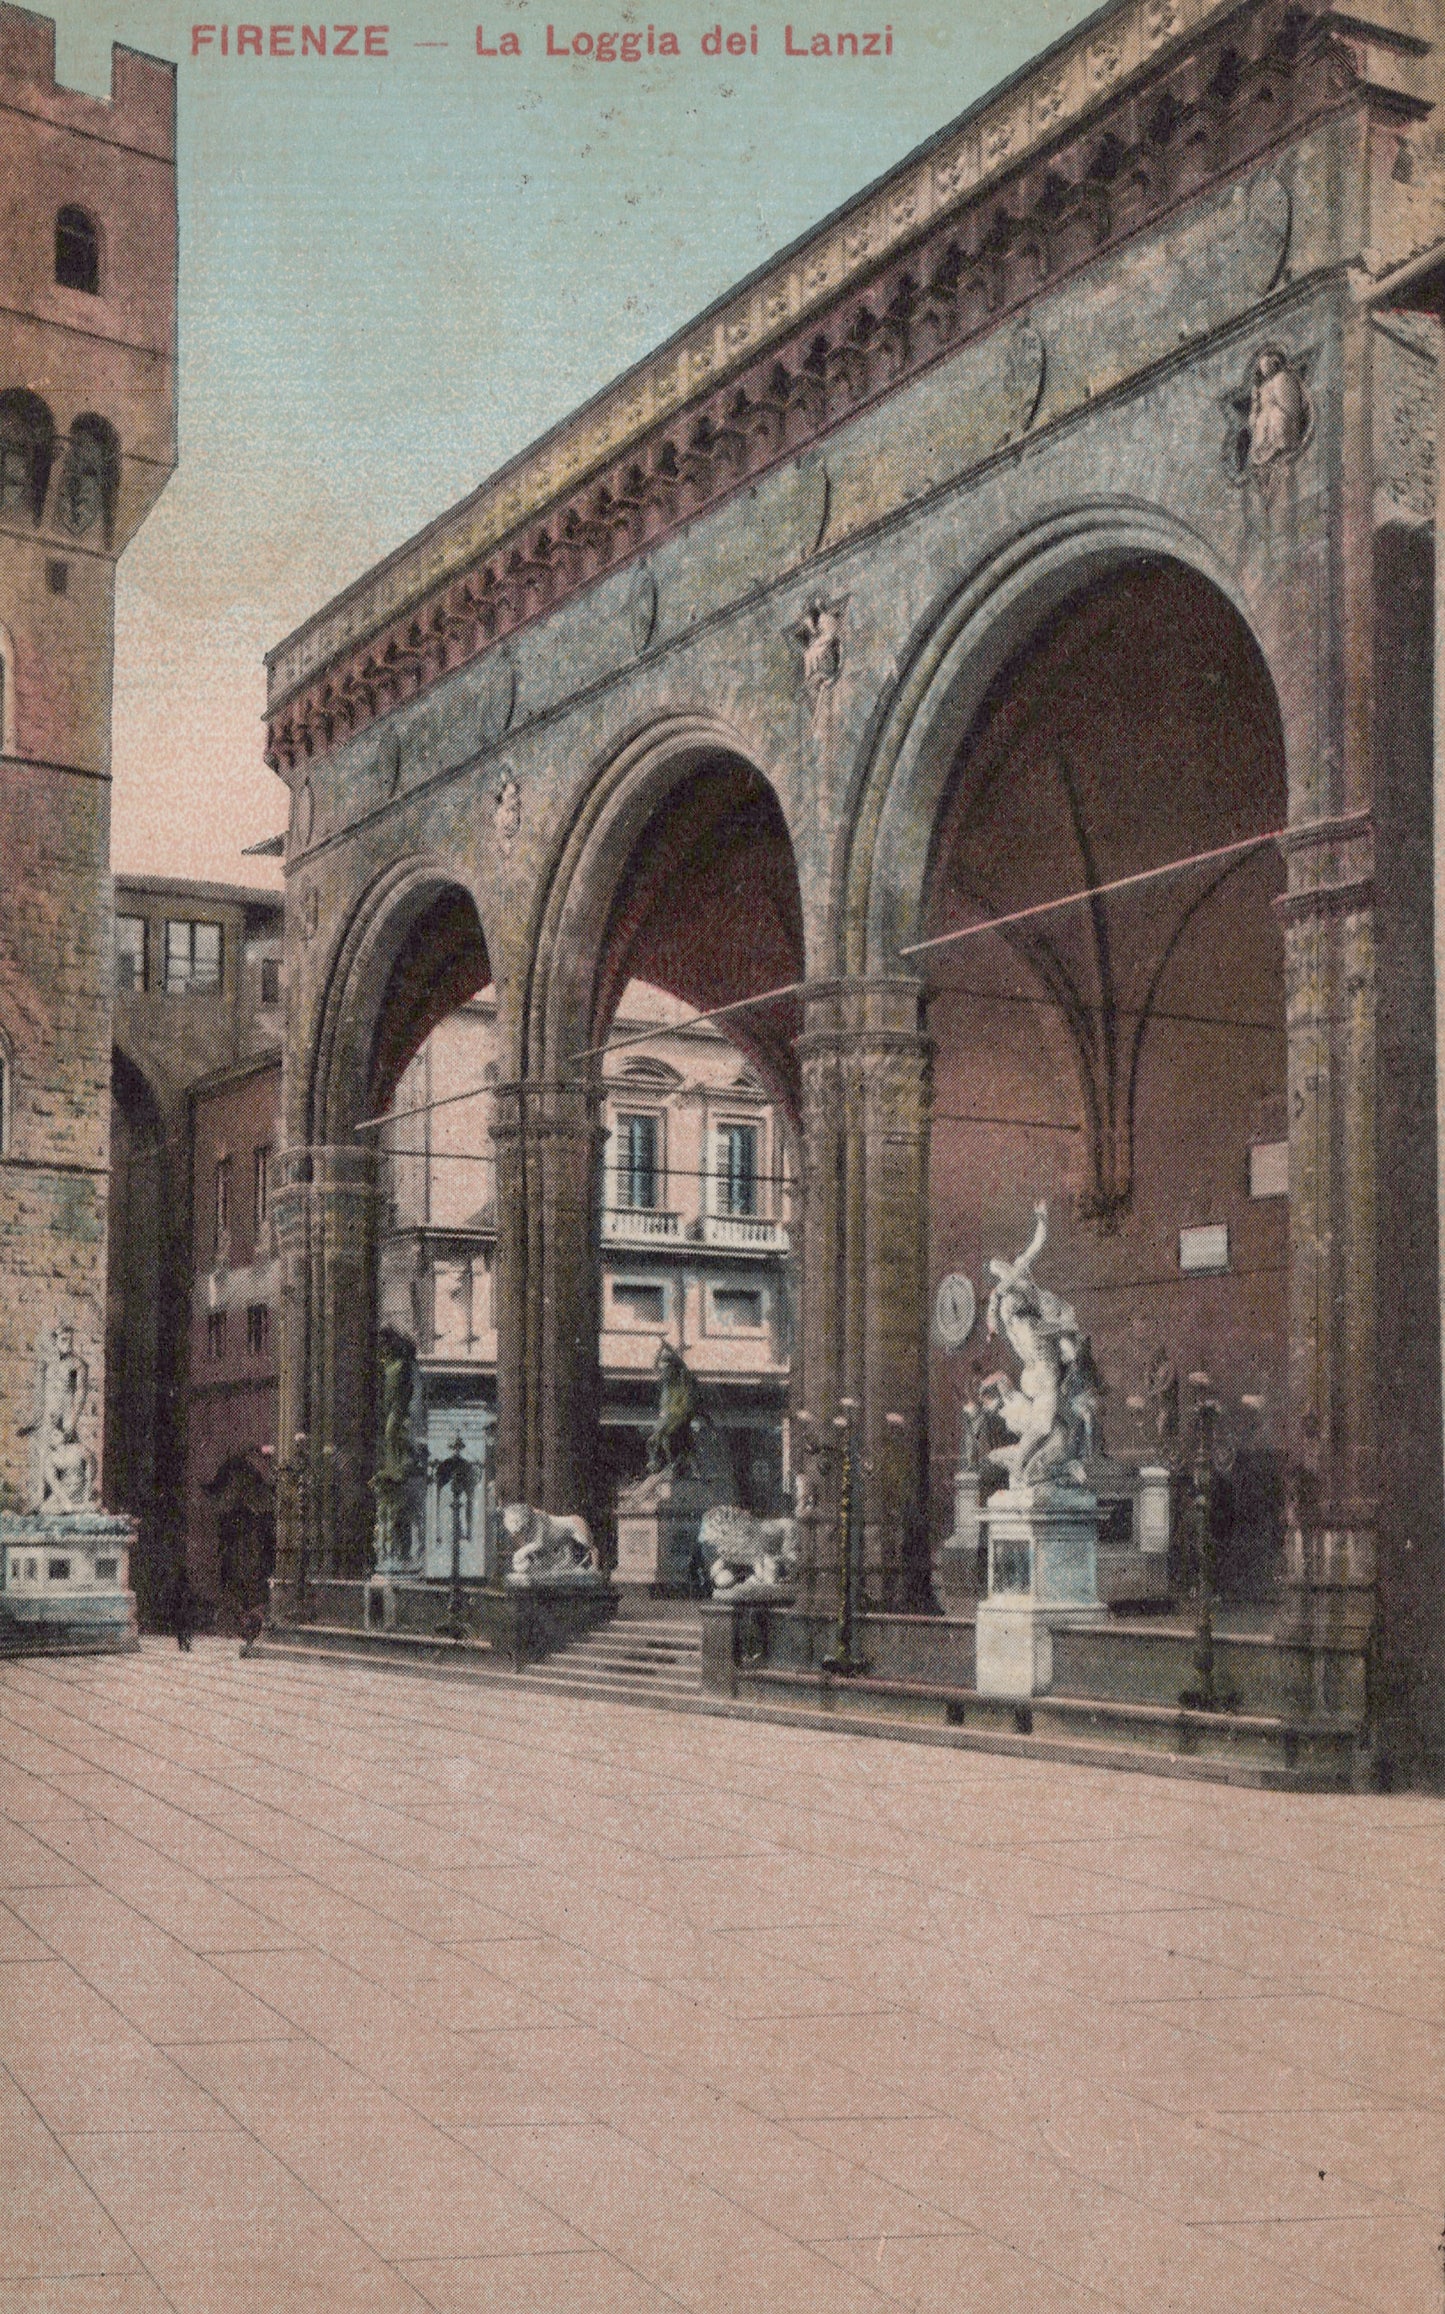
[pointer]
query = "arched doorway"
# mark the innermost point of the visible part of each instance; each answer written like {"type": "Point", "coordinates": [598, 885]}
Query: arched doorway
{"type": "Point", "coordinates": [1123, 1058]}
{"type": "Point", "coordinates": [645, 1164]}
{"type": "Point", "coordinates": [414, 955]}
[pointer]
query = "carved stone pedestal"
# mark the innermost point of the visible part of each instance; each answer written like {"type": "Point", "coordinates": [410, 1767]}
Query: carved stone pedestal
{"type": "Point", "coordinates": [657, 1524]}
{"type": "Point", "coordinates": [65, 1579]}
{"type": "Point", "coordinates": [1042, 1572]}
{"type": "Point", "coordinates": [956, 1569]}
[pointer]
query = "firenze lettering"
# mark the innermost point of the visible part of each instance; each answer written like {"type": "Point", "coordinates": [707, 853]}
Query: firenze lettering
{"type": "Point", "coordinates": [339, 40]}
{"type": "Point", "coordinates": [292, 39]}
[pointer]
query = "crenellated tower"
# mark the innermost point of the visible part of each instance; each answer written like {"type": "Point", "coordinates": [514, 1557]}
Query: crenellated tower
{"type": "Point", "coordinates": [87, 443]}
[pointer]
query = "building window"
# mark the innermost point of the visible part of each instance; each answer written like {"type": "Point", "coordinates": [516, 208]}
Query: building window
{"type": "Point", "coordinates": [130, 954]}
{"type": "Point", "coordinates": [646, 1305]}
{"type": "Point", "coordinates": [90, 476]}
{"type": "Point", "coordinates": [77, 252]}
{"type": "Point", "coordinates": [27, 451]}
{"type": "Point", "coordinates": [737, 1308]}
{"type": "Point", "coordinates": [258, 1330]}
{"type": "Point", "coordinates": [737, 1169]}
{"type": "Point", "coordinates": [261, 1184]}
{"type": "Point", "coordinates": [637, 1169]}
{"type": "Point", "coordinates": [270, 980]}
{"type": "Point", "coordinates": [193, 957]}
{"type": "Point", "coordinates": [215, 1333]}
{"type": "Point", "coordinates": [221, 1237]}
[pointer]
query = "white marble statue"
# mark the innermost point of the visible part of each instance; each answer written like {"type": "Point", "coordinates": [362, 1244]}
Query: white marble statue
{"type": "Point", "coordinates": [64, 1468]}
{"type": "Point", "coordinates": [1051, 1411]}
{"type": "Point", "coordinates": [546, 1547]}
{"type": "Point", "coordinates": [738, 1548]}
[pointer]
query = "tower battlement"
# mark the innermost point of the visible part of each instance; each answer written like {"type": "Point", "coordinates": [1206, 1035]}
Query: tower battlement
{"type": "Point", "coordinates": [139, 113]}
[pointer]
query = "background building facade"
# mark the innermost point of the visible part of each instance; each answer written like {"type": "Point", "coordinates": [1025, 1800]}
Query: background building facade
{"type": "Point", "coordinates": [198, 1012]}
{"type": "Point", "coordinates": [692, 1234]}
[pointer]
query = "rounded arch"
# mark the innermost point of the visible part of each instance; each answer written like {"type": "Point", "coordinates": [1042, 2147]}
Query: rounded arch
{"type": "Point", "coordinates": [685, 788]}
{"type": "Point", "coordinates": [413, 950]}
{"type": "Point", "coordinates": [955, 660]}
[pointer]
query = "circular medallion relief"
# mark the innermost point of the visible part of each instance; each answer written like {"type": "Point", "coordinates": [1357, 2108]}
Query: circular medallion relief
{"type": "Point", "coordinates": [954, 1310]}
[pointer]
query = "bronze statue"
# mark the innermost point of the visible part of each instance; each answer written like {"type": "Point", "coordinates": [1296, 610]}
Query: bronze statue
{"type": "Point", "coordinates": [672, 1438]}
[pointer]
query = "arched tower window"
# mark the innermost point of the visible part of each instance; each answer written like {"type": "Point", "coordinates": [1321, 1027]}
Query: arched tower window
{"type": "Point", "coordinates": [90, 476]}
{"type": "Point", "coordinates": [27, 448]}
{"type": "Point", "coordinates": [77, 251]}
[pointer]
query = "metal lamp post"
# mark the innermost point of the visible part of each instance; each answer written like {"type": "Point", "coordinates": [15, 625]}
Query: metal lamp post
{"type": "Point", "coordinates": [1209, 1460]}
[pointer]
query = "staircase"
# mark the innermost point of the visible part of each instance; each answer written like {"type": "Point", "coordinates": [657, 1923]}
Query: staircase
{"type": "Point", "coordinates": [650, 1652]}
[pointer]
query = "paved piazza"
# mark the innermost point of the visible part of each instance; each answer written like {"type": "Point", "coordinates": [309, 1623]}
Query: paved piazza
{"type": "Point", "coordinates": [331, 1988]}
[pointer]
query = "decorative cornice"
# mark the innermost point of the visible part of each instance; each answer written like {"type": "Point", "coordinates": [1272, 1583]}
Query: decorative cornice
{"type": "Point", "coordinates": [1106, 135]}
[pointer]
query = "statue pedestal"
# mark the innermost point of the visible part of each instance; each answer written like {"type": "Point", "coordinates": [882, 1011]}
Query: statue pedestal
{"type": "Point", "coordinates": [65, 1578]}
{"type": "Point", "coordinates": [1042, 1572]}
{"type": "Point", "coordinates": [657, 1523]}
{"type": "Point", "coordinates": [957, 1569]}
{"type": "Point", "coordinates": [1151, 1526]}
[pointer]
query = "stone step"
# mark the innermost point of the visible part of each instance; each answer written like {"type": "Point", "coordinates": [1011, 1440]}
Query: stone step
{"type": "Point", "coordinates": [602, 1686]}
{"type": "Point", "coordinates": [1059, 1727]}
{"type": "Point", "coordinates": [641, 1645]}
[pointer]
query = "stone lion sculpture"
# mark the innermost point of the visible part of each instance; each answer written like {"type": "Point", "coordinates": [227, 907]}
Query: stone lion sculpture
{"type": "Point", "coordinates": [735, 1548]}
{"type": "Point", "coordinates": [546, 1547]}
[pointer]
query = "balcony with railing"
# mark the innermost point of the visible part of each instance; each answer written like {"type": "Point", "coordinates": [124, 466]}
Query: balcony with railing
{"type": "Point", "coordinates": [744, 1233]}
{"type": "Point", "coordinates": [640, 1225]}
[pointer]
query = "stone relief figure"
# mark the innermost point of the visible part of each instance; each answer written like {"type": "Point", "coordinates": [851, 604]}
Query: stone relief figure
{"type": "Point", "coordinates": [1051, 1412]}
{"type": "Point", "coordinates": [819, 632]}
{"type": "Point", "coordinates": [507, 816]}
{"type": "Point", "coordinates": [1279, 410]}
{"type": "Point", "coordinates": [673, 1435]}
{"type": "Point", "coordinates": [64, 1468]}
{"type": "Point", "coordinates": [1271, 416]}
{"type": "Point", "coordinates": [547, 1547]}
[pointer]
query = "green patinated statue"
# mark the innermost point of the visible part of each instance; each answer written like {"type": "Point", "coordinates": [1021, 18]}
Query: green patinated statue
{"type": "Point", "coordinates": [673, 1435]}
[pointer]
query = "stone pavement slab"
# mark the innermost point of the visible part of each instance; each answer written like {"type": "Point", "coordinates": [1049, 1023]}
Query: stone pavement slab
{"type": "Point", "coordinates": [320, 1994]}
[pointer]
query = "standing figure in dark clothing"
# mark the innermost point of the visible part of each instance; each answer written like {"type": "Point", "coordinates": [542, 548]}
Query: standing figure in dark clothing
{"type": "Point", "coordinates": [183, 1608]}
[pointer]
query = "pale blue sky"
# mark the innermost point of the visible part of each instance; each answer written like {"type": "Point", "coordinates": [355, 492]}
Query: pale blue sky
{"type": "Point", "coordinates": [394, 275]}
